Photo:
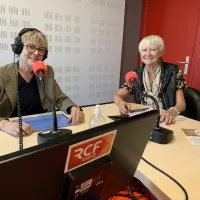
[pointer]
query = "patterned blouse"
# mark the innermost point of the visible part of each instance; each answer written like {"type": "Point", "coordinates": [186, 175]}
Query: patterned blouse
{"type": "Point", "coordinates": [180, 83]}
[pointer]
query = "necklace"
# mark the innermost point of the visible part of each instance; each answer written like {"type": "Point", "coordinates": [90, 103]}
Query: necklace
{"type": "Point", "coordinates": [152, 74]}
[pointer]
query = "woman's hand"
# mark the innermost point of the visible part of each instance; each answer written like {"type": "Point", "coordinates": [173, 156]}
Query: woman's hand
{"type": "Point", "coordinates": [124, 107]}
{"type": "Point", "coordinates": [13, 128]}
{"type": "Point", "coordinates": [77, 115]}
{"type": "Point", "coordinates": [168, 116]}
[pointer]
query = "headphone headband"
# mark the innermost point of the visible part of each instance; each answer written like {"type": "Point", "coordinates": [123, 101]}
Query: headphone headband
{"type": "Point", "coordinates": [17, 46]}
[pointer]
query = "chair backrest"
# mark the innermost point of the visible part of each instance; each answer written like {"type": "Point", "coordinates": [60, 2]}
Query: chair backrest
{"type": "Point", "coordinates": [192, 99]}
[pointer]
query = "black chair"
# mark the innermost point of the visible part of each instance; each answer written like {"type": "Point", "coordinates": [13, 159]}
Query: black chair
{"type": "Point", "coordinates": [192, 99]}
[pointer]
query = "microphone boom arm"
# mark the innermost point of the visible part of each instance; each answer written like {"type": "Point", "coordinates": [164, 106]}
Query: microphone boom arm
{"type": "Point", "coordinates": [159, 134]}
{"type": "Point", "coordinates": [40, 70]}
{"type": "Point", "coordinates": [55, 123]}
{"type": "Point", "coordinates": [152, 98]}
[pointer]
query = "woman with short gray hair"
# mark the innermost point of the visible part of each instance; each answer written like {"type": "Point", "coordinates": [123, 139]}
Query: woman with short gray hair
{"type": "Point", "coordinates": [164, 81]}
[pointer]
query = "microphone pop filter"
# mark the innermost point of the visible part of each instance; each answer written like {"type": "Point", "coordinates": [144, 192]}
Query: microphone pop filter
{"type": "Point", "coordinates": [131, 76]}
{"type": "Point", "coordinates": [39, 66]}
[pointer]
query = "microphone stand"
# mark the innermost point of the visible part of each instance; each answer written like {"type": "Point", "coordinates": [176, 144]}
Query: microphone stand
{"type": "Point", "coordinates": [159, 134]}
{"type": "Point", "coordinates": [56, 133]}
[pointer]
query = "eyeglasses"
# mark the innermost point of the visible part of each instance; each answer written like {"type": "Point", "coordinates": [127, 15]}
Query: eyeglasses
{"type": "Point", "coordinates": [31, 48]}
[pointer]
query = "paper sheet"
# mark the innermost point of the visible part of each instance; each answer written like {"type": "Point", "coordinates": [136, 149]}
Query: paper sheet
{"type": "Point", "coordinates": [45, 122]}
{"type": "Point", "coordinates": [139, 111]}
{"type": "Point", "coordinates": [193, 135]}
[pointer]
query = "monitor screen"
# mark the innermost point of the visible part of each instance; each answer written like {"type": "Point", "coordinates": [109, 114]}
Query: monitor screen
{"type": "Point", "coordinates": [38, 172]}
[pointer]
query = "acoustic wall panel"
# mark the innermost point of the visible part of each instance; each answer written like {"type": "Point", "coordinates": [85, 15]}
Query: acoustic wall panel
{"type": "Point", "coordinates": [85, 42]}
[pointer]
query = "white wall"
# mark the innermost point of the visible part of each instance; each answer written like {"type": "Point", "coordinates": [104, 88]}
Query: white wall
{"type": "Point", "coordinates": [85, 42]}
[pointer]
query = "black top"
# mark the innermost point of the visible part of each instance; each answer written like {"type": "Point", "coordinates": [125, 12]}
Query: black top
{"type": "Point", "coordinates": [29, 97]}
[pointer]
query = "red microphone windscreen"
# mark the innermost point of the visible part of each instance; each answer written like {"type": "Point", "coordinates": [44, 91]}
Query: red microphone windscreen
{"type": "Point", "coordinates": [130, 76]}
{"type": "Point", "coordinates": [39, 66]}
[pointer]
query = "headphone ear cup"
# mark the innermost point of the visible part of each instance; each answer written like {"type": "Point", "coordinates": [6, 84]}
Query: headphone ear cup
{"type": "Point", "coordinates": [14, 46]}
{"type": "Point", "coordinates": [17, 46]}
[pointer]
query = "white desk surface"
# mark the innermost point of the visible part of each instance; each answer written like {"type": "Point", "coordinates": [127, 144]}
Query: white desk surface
{"type": "Point", "coordinates": [179, 158]}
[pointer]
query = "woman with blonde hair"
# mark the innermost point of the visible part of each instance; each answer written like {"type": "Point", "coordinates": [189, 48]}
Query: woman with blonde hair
{"type": "Point", "coordinates": [30, 45]}
{"type": "Point", "coordinates": [164, 81]}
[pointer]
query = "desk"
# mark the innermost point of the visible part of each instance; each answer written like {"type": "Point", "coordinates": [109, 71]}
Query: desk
{"type": "Point", "coordinates": [9, 144]}
{"type": "Point", "coordinates": [180, 159]}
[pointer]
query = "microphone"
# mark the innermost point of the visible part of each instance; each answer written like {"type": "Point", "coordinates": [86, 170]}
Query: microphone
{"type": "Point", "coordinates": [132, 79]}
{"type": "Point", "coordinates": [40, 71]}
{"type": "Point", "coordinates": [159, 134]}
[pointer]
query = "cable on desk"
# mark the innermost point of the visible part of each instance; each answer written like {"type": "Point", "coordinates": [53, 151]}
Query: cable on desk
{"type": "Point", "coordinates": [182, 188]}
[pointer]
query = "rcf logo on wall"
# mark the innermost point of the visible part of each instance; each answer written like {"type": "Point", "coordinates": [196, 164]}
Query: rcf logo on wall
{"type": "Point", "coordinates": [89, 150]}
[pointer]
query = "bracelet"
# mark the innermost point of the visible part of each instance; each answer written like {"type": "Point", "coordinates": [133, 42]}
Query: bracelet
{"type": "Point", "coordinates": [175, 109]}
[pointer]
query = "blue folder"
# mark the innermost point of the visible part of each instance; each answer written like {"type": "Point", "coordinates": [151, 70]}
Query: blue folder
{"type": "Point", "coordinates": [45, 122]}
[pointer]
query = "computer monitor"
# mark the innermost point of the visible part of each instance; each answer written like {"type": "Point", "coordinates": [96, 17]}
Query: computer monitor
{"type": "Point", "coordinates": [38, 172]}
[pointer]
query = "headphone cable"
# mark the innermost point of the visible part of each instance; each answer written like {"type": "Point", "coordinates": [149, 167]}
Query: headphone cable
{"type": "Point", "coordinates": [18, 108]}
{"type": "Point", "coordinates": [161, 171]}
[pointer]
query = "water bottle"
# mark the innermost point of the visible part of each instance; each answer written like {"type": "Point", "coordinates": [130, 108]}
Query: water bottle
{"type": "Point", "coordinates": [97, 119]}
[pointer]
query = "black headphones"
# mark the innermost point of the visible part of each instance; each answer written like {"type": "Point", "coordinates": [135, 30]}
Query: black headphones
{"type": "Point", "coordinates": [17, 46]}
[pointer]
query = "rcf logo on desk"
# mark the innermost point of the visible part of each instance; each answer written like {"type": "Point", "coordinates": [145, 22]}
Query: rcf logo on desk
{"type": "Point", "coordinates": [89, 150]}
